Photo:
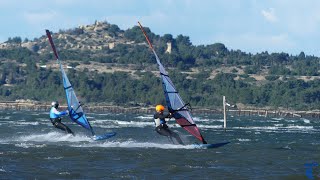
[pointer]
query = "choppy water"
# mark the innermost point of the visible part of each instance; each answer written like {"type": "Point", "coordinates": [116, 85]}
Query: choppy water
{"type": "Point", "coordinates": [260, 148]}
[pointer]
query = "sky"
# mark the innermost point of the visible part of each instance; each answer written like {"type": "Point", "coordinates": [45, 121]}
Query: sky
{"type": "Point", "coordinates": [252, 26]}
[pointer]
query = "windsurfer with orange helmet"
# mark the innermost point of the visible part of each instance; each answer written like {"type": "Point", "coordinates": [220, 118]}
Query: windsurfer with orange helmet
{"type": "Point", "coordinates": [161, 124]}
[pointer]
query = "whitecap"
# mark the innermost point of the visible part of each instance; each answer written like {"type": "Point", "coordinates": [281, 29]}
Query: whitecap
{"type": "Point", "coordinates": [59, 157]}
{"type": "Point", "coordinates": [64, 173]}
{"type": "Point", "coordinates": [133, 144]}
{"type": "Point", "coordinates": [307, 121]}
{"type": "Point", "coordinates": [145, 117]}
{"type": "Point", "coordinates": [28, 145]}
{"type": "Point", "coordinates": [210, 126]}
{"type": "Point", "coordinates": [52, 137]}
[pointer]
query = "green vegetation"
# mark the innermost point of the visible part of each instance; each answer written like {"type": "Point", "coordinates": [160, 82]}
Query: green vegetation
{"type": "Point", "coordinates": [20, 78]}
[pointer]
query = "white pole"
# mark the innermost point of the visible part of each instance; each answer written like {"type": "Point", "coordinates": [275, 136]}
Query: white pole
{"type": "Point", "coordinates": [224, 113]}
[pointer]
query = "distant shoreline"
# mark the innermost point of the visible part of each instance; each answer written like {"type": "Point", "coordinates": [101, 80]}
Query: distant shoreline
{"type": "Point", "coordinates": [40, 106]}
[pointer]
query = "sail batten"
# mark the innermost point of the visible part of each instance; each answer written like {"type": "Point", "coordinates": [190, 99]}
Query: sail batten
{"type": "Point", "coordinates": [174, 102]}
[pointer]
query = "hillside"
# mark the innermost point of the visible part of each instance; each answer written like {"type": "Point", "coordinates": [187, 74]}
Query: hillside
{"type": "Point", "coordinates": [107, 64]}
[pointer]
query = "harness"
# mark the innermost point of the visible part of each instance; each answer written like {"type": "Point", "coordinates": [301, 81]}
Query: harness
{"type": "Point", "coordinates": [162, 126]}
{"type": "Point", "coordinates": [55, 121]}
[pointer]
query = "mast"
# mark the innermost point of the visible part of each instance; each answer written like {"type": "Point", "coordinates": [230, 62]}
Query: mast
{"type": "Point", "coordinates": [224, 113]}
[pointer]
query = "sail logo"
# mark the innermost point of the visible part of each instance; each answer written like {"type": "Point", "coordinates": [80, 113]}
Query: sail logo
{"type": "Point", "coordinates": [309, 170]}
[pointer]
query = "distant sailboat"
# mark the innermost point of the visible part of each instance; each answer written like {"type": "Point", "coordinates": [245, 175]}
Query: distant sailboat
{"type": "Point", "coordinates": [175, 103]}
{"type": "Point", "coordinates": [76, 112]}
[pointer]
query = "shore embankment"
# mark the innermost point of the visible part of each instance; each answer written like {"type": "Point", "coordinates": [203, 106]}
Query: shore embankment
{"type": "Point", "coordinates": [90, 108]}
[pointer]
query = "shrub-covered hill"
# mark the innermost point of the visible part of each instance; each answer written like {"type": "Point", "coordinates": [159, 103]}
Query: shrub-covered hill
{"type": "Point", "coordinates": [114, 66]}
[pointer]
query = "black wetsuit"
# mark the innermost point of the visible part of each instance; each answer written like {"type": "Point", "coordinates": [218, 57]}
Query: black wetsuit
{"type": "Point", "coordinates": [163, 129]}
{"type": "Point", "coordinates": [56, 122]}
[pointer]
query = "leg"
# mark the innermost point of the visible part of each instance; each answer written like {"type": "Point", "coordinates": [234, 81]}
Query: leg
{"type": "Point", "coordinates": [63, 127]}
{"type": "Point", "coordinates": [176, 136]}
{"type": "Point", "coordinates": [167, 132]}
{"type": "Point", "coordinates": [162, 131]}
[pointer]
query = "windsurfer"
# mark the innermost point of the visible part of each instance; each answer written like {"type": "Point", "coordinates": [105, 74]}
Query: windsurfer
{"type": "Point", "coordinates": [161, 124]}
{"type": "Point", "coordinates": [55, 117]}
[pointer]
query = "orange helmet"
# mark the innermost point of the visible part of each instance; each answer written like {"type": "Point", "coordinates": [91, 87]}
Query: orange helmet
{"type": "Point", "coordinates": [159, 108]}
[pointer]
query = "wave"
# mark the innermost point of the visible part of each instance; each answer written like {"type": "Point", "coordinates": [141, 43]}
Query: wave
{"type": "Point", "coordinates": [135, 123]}
{"type": "Point", "coordinates": [197, 119]}
{"type": "Point", "coordinates": [145, 117]}
{"type": "Point", "coordinates": [210, 126]}
{"type": "Point", "coordinates": [278, 119]}
{"type": "Point", "coordinates": [134, 144]}
{"type": "Point", "coordinates": [28, 145]}
{"type": "Point", "coordinates": [26, 123]}
{"type": "Point", "coordinates": [42, 140]}
{"type": "Point", "coordinates": [47, 137]}
{"type": "Point", "coordinates": [120, 124]}
{"type": "Point", "coordinates": [2, 170]}
{"type": "Point", "coordinates": [289, 128]}
{"type": "Point", "coordinates": [101, 121]}
{"type": "Point", "coordinates": [49, 158]}
{"type": "Point", "coordinates": [299, 127]}
{"type": "Point", "coordinates": [5, 117]}
{"type": "Point", "coordinates": [307, 121]}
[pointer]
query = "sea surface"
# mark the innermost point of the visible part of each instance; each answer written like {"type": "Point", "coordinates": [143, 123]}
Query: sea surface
{"type": "Point", "coordinates": [260, 148]}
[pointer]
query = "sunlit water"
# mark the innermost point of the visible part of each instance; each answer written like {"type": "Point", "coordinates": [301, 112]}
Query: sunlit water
{"type": "Point", "coordinates": [260, 148]}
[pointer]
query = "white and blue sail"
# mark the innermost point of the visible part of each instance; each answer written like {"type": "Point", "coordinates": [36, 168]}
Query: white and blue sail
{"type": "Point", "coordinates": [76, 112]}
{"type": "Point", "coordinates": [74, 106]}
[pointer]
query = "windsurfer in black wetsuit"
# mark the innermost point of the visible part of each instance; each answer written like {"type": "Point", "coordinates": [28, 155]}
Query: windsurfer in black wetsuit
{"type": "Point", "coordinates": [161, 124]}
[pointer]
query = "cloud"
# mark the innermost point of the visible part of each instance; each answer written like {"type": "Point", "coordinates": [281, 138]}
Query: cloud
{"type": "Point", "coordinates": [269, 15]}
{"type": "Point", "coordinates": [39, 17]}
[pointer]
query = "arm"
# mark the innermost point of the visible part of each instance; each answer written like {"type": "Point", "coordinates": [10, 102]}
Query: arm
{"type": "Point", "coordinates": [162, 116]}
{"type": "Point", "coordinates": [62, 113]}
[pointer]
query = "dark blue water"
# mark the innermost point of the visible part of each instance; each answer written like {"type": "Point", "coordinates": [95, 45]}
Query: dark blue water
{"type": "Point", "coordinates": [260, 148]}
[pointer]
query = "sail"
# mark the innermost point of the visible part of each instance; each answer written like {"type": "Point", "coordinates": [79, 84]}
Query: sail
{"type": "Point", "coordinates": [174, 102]}
{"type": "Point", "coordinates": [76, 112]}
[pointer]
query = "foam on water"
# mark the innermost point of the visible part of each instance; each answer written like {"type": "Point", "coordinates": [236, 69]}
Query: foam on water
{"type": "Point", "coordinates": [101, 121]}
{"type": "Point", "coordinates": [244, 140]}
{"type": "Point", "coordinates": [101, 114]}
{"type": "Point", "coordinates": [49, 158]}
{"type": "Point", "coordinates": [64, 173]}
{"type": "Point", "coordinates": [48, 137]}
{"type": "Point", "coordinates": [299, 127]}
{"type": "Point", "coordinates": [2, 170]}
{"type": "Point", "coordinates": [28, 145]}
{"type": "Point", "coordinates": [278, 119]}
{"type": "Point", "coordinates": [26, 123]}
{"type": "Point", "coordinates": [307, 121]}
{"type": "Point", "coordinates": [134, 123]}
{"type": "Point", "coordinates": [197, 119]}
{"type": "Point", "coordinates": [5, 117]}
{"type": "Point", "coordinates": [210, 126]}
{"type": "Point", "coordinates": [135, 144]}
{"type": "Point", "coordinates": [145, 117]}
